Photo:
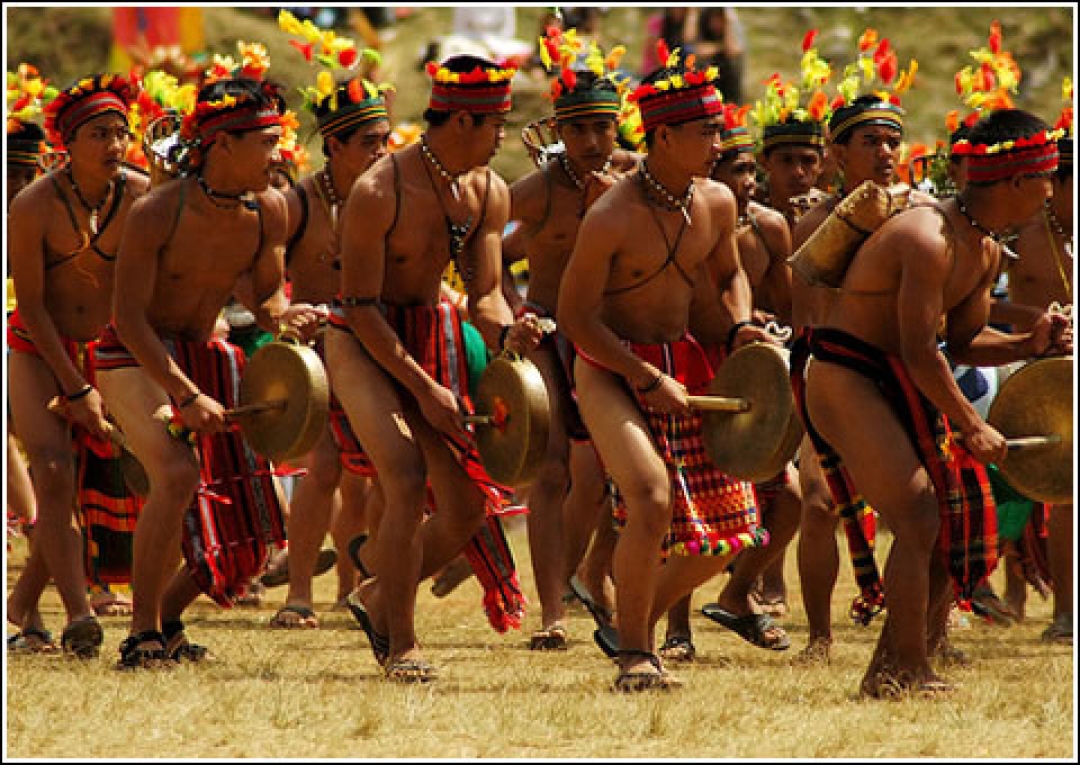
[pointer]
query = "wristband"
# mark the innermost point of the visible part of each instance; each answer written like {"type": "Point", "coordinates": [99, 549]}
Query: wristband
{"type": "Point", "coordinates": [651, 386]}
{"type": "Point", "coordinates": [189, 400]}
{"type": "Point", "coordinates": [734, 331]}
{"type": "Point", "coordinates": [82, 392]}
{"type": "Point", "coordinates": [502, 336]}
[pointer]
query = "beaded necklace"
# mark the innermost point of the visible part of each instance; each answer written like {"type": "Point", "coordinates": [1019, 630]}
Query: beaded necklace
{"type": "Point", "coordinates": [94, 211]}
{"type": "Point", "coordinates": [673, 202]}
{"type": "Point", "coordinates": [330, 197]}
{"type": "Point", "coordinates": [564, 162]}
{"type": "Point", "coordinates": [244, 197]}
{"type": "Point", "coordinates": [427, 152]}
{"type": "Point", "coordinates": [1054, 225]}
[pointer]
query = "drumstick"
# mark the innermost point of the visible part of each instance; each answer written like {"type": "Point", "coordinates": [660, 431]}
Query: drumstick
{"type": "Point", "coordinates": [113, 433]}
{"type": "Point", "coordinates": [718, 403]}
{"type": "Point", "coordinates": [257, 408]}
{"type": "Point", "coordinates": [1027, 442]}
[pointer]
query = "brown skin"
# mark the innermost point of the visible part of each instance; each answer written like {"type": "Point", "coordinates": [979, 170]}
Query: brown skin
{"type": "Point", "coordinates": [770, 280]}
{"type": "Point", "coordinates": [566, 497]}
{"type": "Point", "coordinates": [769, 275]}
{"type": "Point", "coordinates": [176, 289]}
{"type": "Point", "coordinates": [73, 301]}
{"type": "Point", "coordinates": [620, 244]}
{"type": "Point", "coordinates": [313, 271]}
{"type": "Point", "coordinates": [1043, 275]}
{"type": "Point", "coordinates": [917, 283]}
{"type": "Point", "coordinates": [868, 155]}
{"type": "Point", "coordinates": [370, 367]}
{"type": "Point", "coordinates": [793, 170]}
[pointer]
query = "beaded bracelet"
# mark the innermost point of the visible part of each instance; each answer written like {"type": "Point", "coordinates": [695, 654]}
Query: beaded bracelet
{"type": "Point", "coordinates": [82, 392]}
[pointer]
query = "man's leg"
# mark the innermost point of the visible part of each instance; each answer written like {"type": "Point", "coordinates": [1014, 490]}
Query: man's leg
{"type": "Point", "coordinates": [627, 450]}
{"type": "Point", "coordinates": [1060, 543]}
{"type": "Point", "coordinates": [348, 520]}
{"type": "Point", "coordinates": [378, 418]}
{"type": "Point", "coordinates": [883, 465]}
{"type": "Point", "coordinates": [817, 554]}
{"type": "Point", "coordinates": [142, 410]}
{"type": "Point", "coordinates": [307, 524]}
{"type": "Point", "coordinates": [547, 497]}
{"type": "Point", "coordinates": [46, 438]}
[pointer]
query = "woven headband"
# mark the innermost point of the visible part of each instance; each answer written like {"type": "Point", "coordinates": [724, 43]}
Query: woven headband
{"type": "Point", "coordinates": [352, 115]}
{"type": "Point", "coordinates": [587, 103]}
{"type": "Point", "coordinates": [988, 168]}
{"type": "Point", "coordinates": [84, 109]}
{"type": "Point", "coordinates": [736, 139]}
{"type": "Point", "coordinates": [236, 120]}
{"type": "Point", "coordinates": [676, 106]}
{"type": "Point", "coordinates": [24, 152]}
{"type": "Point", "coordinates": [482, 98]}
{"type": "Point", "coordinates": [849, 117]}
{"type": "Point", "coordinates": [793, 133]}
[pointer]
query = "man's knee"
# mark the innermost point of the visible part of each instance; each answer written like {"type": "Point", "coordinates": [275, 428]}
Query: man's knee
{"type": "Point", "coordinates": [920, 522]}
{"type": "Point", "coordinates": [177, 480]}
{"type": "Point", "coordinates": [648, 507]}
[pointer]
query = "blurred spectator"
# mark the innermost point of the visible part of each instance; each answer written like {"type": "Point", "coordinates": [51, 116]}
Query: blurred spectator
{"type": "Point", "coordinates": [485, 31]}
{"type": "Point", "coordinates": [673, 26]}
{"type": "Point", "coordinates": [718, 40]}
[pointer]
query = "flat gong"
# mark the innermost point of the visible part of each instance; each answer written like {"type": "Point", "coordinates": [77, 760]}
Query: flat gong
{"type": "Point", "coordinates": [754, 444]}
{"type": "Point", "coordinates": [512, 420]}
{"type": "Point", "coordinates": [285, 389]}
{"type": "Point", "coordinates": [1036, 400]}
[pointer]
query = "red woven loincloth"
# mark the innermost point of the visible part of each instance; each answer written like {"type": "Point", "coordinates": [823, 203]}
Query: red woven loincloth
{"type": "Point", "coordinates": [712, 513]}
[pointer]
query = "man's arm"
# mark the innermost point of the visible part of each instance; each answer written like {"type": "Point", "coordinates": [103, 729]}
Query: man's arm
{"type": "Point", "coordinates": [488, 306]}
{"type": "Point", "coordinates": [26, 248]}
{"type": "Point", "coordinates": [925, 265]}
{"type": "Point", "coordinates": [776, 283]}
{"type": "Point", "coordinates": [732, 325]}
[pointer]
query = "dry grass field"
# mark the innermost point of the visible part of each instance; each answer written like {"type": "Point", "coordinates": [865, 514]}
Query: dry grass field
{"type": "Point", "coordinates": [318, 694]}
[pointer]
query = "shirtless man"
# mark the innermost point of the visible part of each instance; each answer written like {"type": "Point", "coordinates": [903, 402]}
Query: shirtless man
{"type": "Point", "coordinates": [926, 272]}
{"type": "Point", "coordinates": [764, 243]}
{"type": "Point", "coordinates": [655, 260]}
{"type": "Point", "coordinates": [64, 233]}
{"type": "Point", "coordinates": [1043, 275]}
{"type": "Point", "coordinates": [190, 245]}
{"type": "Point", "coordinates": [566, 498]}
{"type": "Point", "coordinates": [864, 137]}
{"type": "Point", "coordinates": [395, 356]}
{"type": "Point", "coordinates": [355, 133]}
{"type": "Point", "coordinates": [793, 158]}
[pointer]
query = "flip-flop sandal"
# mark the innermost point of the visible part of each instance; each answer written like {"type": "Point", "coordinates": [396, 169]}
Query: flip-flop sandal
{"type": "Point", "coordinates": [280, 575]}
{"type": "Point", "coordinates": [380, 644]}
{"type": "Point", "coordinates": [83, 639]}
{"type": "Point", "coordinates": [678, 648]}
{"type": "Point", "coordinates": [552, 638]}
{"type": "Point", "coordinates": [750, 627]}
{"type": "Point", "coordinates": [635, 682]}
{"type": "Point", "coordinates": [411, 671]}
{"type": "Point", "coordinates": [32, 640]}
{"type": "Point", "coordinates": [307, 619]}
{"type": "Point", "coordinates": [354, 554]}
{"type": "Point", "coordinates": [178, 648]}
{"type": "Point", "coordinates": [134, 657]}
{"type": "Point", "coordinates": [600, 615]}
